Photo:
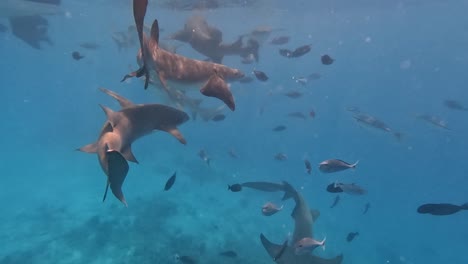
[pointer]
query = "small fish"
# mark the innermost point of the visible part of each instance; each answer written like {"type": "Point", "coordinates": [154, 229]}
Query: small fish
{"type": "Point", "coordinates": [297, 114]}
{"type": "Point", "coordinates": [301, 80]}
{"type": "Point", "coordinates": [335, 165]}
{"type": "Point", "coordinates": [351, 236]}
{"type": "Point", "coordinates": [353, 109]}
{"type": "Point", "coordinates": [293, 94]}
{"type": "Point", "coordinates": [261, 76]}
{"type": "Point", "coordinates": [270, 209]}
{"type": "Point", "coordinates": [441, 208]}
{"type": "Point", "coordinates": [246, 79]}
{"type": "Point", "coordinates": [307, 245]}
{"type": "Point", "coordinates": [235, 187]}
{"type": "Point", "coordinates": [279, 128]}
{"type": "Point", "coordinates": [334, 188]}
{"type": "Point", "coordinates": [233, 154]}
{"type": "Point", "coordinates": [314, 76]}
{"type": "Point", "coordinates": [455, 105]}
{"type": "Point", "coordinates": [77, 56]}
{"type": "Point", "coordinates": [335, 202]}
{"type": "Point", "coordinates": [352, 188]}
{"type": "Point", "coordinates": [312, 113]}
{"type": "Point", "coordinates": [308, 166]}
{"type": "Point", "coordinates": [89, 45]}
{"type": "Point", "coordinates": [366, 208]}
{"type": "Point", "coordinates": [249, 59]}
{"type": "Point", "coordinates": [281, 156]}
{"type": "Point", "coordinates": [218, 117]}
{"type": "Point", "coordinates": [281, 40]}
{"type": "Point", "coordinates": [229, 254]}
{"type": "Point", "coordinates": [302, 50]}
{"type": "Point", "coordinates": [202, 154]}
{"type": "Point", "coordinates": [170, 182]}
{"type": "Point", "coordinates": [185, 259]}
{"type": "Point", "coordinates": [326, 59]}
{"type": "Point", "coordinates": [434, 120]}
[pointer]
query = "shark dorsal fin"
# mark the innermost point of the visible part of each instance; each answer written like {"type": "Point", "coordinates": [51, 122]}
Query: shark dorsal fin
{"type": "Point", "coordinates": [155, 31]}
{"type": "Point", "coordinates": [124, 102]}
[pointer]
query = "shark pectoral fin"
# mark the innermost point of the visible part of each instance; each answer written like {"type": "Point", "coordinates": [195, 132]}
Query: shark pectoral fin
{"type": "Point", "coordinates": [318, 260]}
{"type": "Point", "coordinates": [176, 133]}
{"type": "Point", "coordinates": [90, 148]}
{"type": "Point", "coordinates": [218, 88]}
{"type": "Point", "coordinates": [122, 101]}
{"type": "Point", "coordinates": [272, 249]}
{"type": "Point", "coordinates": [117, 171]}
{"type": "Point", "coordinates": [315, 214]}
{"type": "Point", "coordinates": [128, 154]}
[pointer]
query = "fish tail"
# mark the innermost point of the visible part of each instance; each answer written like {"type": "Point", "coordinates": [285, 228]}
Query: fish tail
{"type": "Point", "coordinates": [355, 164]}
{"type": "Point", "coordinates": [323, 243]}
{"type": "Point", "coordinates": [465, 206]}
{"type": "Point", "coordinates": [105, 192]}
{"type": "Point", "coordinates": [229, 187]}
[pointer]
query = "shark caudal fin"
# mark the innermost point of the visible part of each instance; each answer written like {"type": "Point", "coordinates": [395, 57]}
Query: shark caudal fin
{"type": "Point", "coordinates": [289, 191]}
{"type": "Point", "coordinates": [274, 250]}
{"type": "Point", "coordinates": [139, 12]}
{"type": "Point", "coordinates": [118, 169]}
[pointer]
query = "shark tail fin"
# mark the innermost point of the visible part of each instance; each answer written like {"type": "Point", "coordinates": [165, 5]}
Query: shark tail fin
{"type": "Point", "coordinates": [118, 169]}
{"type": "Point", "coordinates": [289, 191]}
{"type": "Point", "coordinates": [105, 192]}
{"type": "Point", "coordinates": [323, 243]}
{"type": "Point", "coordinates": [354, 165]}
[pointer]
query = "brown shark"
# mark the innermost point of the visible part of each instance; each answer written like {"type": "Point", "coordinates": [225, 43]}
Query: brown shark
{"type": "Point", "coordinates": [122, 128]}
{"type": "Point", "coordinates": [207, 40]}
{"type": "Point", "coordinates": [168, 66]}
{"type": "Point", "coordinates": [303, 220]}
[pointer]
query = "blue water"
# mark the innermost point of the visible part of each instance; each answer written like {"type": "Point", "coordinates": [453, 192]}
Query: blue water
{"type": "Point", "coordinates": [394, 60]}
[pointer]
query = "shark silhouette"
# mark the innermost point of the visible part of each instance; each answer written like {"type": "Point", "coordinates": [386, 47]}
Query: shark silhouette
{"type": "Point", "coordinates": [122, 128]}
{"type": "Point", "coordinates": [304, 219]}
{"type": "Point", "coordinates": [27, 21]}
{"type": "Point", "coordinates": [168, 66]}
{"type": "Point", "coordinates": [207, 40]}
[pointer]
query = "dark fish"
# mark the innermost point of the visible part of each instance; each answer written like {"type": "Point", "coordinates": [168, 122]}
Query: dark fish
{"type": "Point", "coordinates": [308, 166]}
{"type": "Point", "coordinates": [333, 188]}
{"type": "Point", "coordinates": [335, 202]}
{"type": "Point", "coordinates": [353, 109]}
{"type": "Point", "coordinates": [366, 208]}
{"type": "Point", "coordinates": [170, 182]}
{"type": "Point", "coordinates": [281, 156]}
{"type": "Point", "coordinates": [77, 56]}
{"type": "Point", "coordinates": [229, 254]}
{"type": "Point", "coordinates": [185, 259]}
{"type": "Point", "coordinates": [297, 114]}
{"type": "Point", "coordinates": [218, 117]}
{"type": "Point", "coordinates": [293, 94]}
{"type": "Point", "coordinates": [351, 236]}
{"type": "Point", "coordinates": [314, 76]}
{"type": "Point", "coordinates": [327, 60]}
{"type": "Point", "coordinates": [202, 154]}
{"type": "Point", "coordinates": [351, 188]}
{"type": "Point", "coordinates": [281, 40]}
{"type": "Point", "coordinates": [455, 105]}
{"type": "Point", "coordinates": [373, 122]}
{"type": "Point", "coordinates": [335, 165]}
{"type": "Point", "coordinates": [302, 50]}
{"type": "Point", "coordinates": [235, 187]}
{"type": "Point", "coordinates": [312, 113]}
{"type": "Point", "coordinates": [441, 208]}
{"type": "Point", "coordinates": [261, 76]}
{"type": "Point", "coordinates": [434, 120]}
{"type": "Point", "coordinates": [246, 79]}
{"type": "Point", "coordinates": [279, 128]}
{"type": "Point", "coordinates": [89, 45]}
{"type": "Point", "coordinates": [3, 28]}
{"type": "Point", "coordinates": [271, 187]}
